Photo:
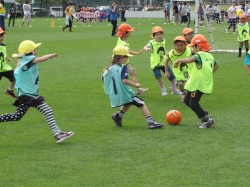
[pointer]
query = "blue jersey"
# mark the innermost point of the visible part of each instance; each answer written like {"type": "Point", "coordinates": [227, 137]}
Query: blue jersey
{"type": "Point", "coordinates": [26, 75]}
{"type": "Point", "coordinates": [119, 93]}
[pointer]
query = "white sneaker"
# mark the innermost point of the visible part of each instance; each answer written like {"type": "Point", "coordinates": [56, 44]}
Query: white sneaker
{"type": "Point", "coordinates": [176, 92]}
{"type": "Point", "coordinates": [163, 92]}
{"type": "Point", "coordinates": [226, 30]}
{"type": "Point", "coordinates": [234, 32]}
{"type": "Point", "coordinates": [165, 23]}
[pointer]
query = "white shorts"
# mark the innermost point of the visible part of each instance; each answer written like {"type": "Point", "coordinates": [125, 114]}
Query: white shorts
{"type": "Point", "coordinates": [27, 17]}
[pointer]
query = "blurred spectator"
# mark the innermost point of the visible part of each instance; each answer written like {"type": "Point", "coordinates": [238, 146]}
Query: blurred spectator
{"type": "Point", "coordinates": [12, 14]}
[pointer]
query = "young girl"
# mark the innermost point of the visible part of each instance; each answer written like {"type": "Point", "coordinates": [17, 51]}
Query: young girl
{"type": "Point", "coordinates": [201, 78]}
{"type": "Point", "coordinates": [26, 74]}
{"type": "Point", "coordinates": [118, 88]}
{"type": "Point", "coordinates": [124, 32]}
{"type": "Point", "coordinates": [158, 58]}
{"type": "Point", "coordinates": [181, 73]}
{"type": "Point", "coordinates": [188, 34]}
{"type": "Point", "coordinates": [243, 33]}
{"type": "Point", "coordinates": [247, 62]}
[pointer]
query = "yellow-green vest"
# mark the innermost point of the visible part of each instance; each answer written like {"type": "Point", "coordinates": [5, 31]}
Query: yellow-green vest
{"type": "Point", "coordinates": [183, 70]}
{"type": "Point", "coordinates": [243, 32]}
{"type": "Point", "coordinates": [201, 77]}
{"type": "Point", "coordinates": [158, 53]}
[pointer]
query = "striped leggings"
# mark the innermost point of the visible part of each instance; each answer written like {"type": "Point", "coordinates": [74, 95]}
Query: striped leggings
{"type": "Point", "coordinates": [43, 108]}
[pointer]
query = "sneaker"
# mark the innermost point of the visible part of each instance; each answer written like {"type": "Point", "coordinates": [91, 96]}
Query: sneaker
{"type": "Point", "coordinates": [234, 32]}
{"type": "Point", "coordinates": [140, 91]}
{"type": "Point", "coordinates": [163, 92]}
{"type": "Point", "coordinates": [63, 136]}
{"type": "Point", "coordinates": [165, 23]}
{"type": "Point", "coordinates": [10, 93]}
{"type": "Point", "coordinates": [176, 92]}
{"type": "Point", "coordinates": [226, 30]}
{"type": "Point", "coordinates": [154, 125]}
{"type": "Point", "coordinates": [117, 119]}
{"type": "Point", "coordinates": [207, 124]}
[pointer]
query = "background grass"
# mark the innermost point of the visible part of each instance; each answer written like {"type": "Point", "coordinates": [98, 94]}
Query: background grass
{"type": "Point", "coordinates": [99, 154]}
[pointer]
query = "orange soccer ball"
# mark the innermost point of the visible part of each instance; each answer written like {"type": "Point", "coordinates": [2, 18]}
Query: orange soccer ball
{"type": "Point", "coordinates": [173, 117]}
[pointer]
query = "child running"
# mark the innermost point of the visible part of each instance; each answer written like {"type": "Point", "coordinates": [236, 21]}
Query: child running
{"type": "Point", "coordinates": [243, 33]}
{"type": "Point", "coordinates": [118, 88]}
{"type": "Point", "coordinates": [181, 73]}
{"type": "Point", "coordinates": [5, 69]}
{"type": "Point", "coordinates": [124, 32]}
{"type": "Point", "coordinates": [201, 78]}
{"type": "Point", "coordinates": [26, 74]}
{"type": "Point", "coordinates": [158, 58]}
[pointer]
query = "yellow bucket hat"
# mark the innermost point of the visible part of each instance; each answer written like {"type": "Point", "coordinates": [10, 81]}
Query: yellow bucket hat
{"type": "Point", "coordinates": [121, 50]}
{"type": "Point", "coordinates": [26, 47]}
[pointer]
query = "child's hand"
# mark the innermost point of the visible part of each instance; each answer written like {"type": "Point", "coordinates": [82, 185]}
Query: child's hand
{"type": "Point", "coordinates": [176, 63]}
{"type": "Point", "coordinates": [167, 74]}
{"type": "Point", "coordinates": [54, 55]}
{"type": "Point", "coordinates": [146, 48]}
{"type": "Point", "coordinates": [137, 85]}
{"type": "Point", "coordinates": [141, 51]}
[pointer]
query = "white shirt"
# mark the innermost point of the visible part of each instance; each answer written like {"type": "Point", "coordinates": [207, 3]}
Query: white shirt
{"type": "Point", "coordinates": [232, 12]}
{"type": "Point", "coordinates": [26, 8]}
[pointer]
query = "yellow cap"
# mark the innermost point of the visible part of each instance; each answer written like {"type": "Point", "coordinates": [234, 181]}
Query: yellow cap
{"type": "Point", "coordinates": [26, 47]}
{"type": "Point", "coordinates": [121, 50]}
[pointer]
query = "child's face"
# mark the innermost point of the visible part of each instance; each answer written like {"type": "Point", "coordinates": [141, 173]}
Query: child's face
{"type": "Point", "coordinates": [189, 36]}
{"type": "Point", "coordinates": [127, 34]}
{"type": "Point", "coordinates": [158, 36]}
{"type": "Point", "coordinates": [123, 59]}
{"type": "Point", "coordinates": [242, 20]}
{"type": "Point", "coordinates": [179, 46]}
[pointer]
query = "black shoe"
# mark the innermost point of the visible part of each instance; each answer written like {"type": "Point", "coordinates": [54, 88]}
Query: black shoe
{"type": "Point", "coordinates": [117, 119]}
{"type": "Point", "coordinates": [154, 125]}
{"type": "Point", "coordinates": [10, 93]}
{"type": "Point", "coordinates": [207, 124]}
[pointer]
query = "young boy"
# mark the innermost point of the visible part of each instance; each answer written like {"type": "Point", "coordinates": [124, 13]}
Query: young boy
{"type": "Point", "coordinates": [188, 34]}
{"type": "Point", "coordinates": [118, 88]}
{"type": "Point", "coordinates": [5, 69]}
{"type": "Point", "coordinates": [158, 58]}
{"type": "Point", "coordinates": [124, 32]}
{"type": "Point", "coordinates": [201, 78]}
{"type": "Point", "coordinates": [27, 76]}
{"type": "Point", "coordinates": [181, 73]}
{"type": "Point", "coordinates": [243, 33]}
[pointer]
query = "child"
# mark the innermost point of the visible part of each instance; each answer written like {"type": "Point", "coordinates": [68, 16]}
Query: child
{"type": "Point", "coordinates": [117, 86]}
{"type": "Point", "coordinates": [201, 78]}
{"type": "Point", "coordinates": [5, 69]}
{"type": "Point", "coordinates": [247, 62]}
{"type": "Point", "coordinates": [243, 33]}
{"type": "Point", "coordinates": [124, 32]}
{"type": "Point", "coordinates": [26, 74]}
{"type": "Point", "coordinates": [188, 34]}
{"type": "Point", "coordinates": [181, 73]}
{"type": "Point", "coordinates": [158, 58]}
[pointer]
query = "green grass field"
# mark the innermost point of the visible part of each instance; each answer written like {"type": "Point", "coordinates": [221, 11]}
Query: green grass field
{"type": "Point", "coordinates": [100, 154]}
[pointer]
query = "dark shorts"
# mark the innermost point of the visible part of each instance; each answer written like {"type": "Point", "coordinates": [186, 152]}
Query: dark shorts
{"type": "Point", "coordinates": [157, 72]}
{"type": "Point", "coordinates": [30, 101]}
{"type": "Point", "coordinates": [136, 101]}
{"type": "Point", "coordinates": [8, 74]}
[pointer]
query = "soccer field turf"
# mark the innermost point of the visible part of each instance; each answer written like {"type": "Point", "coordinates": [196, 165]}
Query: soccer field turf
{"type": "Point", "coordinates": [100, 154]}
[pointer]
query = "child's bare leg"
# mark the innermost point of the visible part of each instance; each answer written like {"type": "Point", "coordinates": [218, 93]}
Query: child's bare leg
{"type": "Point", "coordinates": [173, 86]}
{"type": "Point", "coordinates": [12, 84]}
{"type": "Point", "coordinates": [163, 88]}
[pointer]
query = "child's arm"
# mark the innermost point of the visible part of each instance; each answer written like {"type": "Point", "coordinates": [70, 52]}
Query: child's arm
{"type": "Point", "coordinates": [134, 52]}
{"type": "Point", "coordinates": [147, 47]}
{"type": "Point", "coordinates": [216, 66]}
{"type": "Point", "coordinates": [44, 58]}
{"type": "Point", "coordinates": [130, 83]}
{"type": "Point", "coordinates": [166, 67]}
{"type": "Point", "coordinates": [183, 60]}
